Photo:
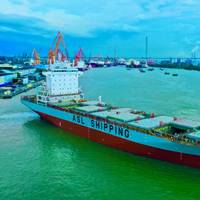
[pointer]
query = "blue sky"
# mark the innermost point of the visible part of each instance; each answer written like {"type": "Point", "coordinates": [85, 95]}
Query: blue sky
{"type": "Point", "coordinates": [100, 26]}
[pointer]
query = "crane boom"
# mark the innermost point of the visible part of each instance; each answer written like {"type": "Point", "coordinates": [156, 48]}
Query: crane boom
{"type": "Point", "coordinates": [55, 49]}
{"type": "Point", "coordinates": [36, 57]}
{"type": "Point", "coordinates": [78, 56]}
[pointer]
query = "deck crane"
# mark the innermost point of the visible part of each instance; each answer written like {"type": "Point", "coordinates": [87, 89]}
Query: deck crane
{"type": "Point", "coordinates": [55, 52]}
{"type": "Point", "coordinates": [35, 58]}
{"type": "Point", "coordinates": [78, 56]}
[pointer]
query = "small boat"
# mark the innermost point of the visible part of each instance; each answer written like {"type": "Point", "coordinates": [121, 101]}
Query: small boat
{"type": "Point", "coordinates": [167, 73]}
{"type": "Point", "coordinates": [174, 74]}
{"type": "Point", "coordinates": [141, 70]}
{"type": "Point", "coordinates": [161, 69]}
{"type": "Point", "coordinates": [150, 69]}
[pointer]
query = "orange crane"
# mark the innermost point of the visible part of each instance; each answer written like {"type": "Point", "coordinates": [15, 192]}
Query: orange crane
{"type": "Point", "coordinates": [55, 51]}
{"type": "Point", "coordinates": [78, 56]}
{"type": "Point", "coordinates": [36, 57]}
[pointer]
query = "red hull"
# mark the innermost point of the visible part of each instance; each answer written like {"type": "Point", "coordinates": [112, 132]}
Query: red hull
{"type": "Point", "coordinates": [125, 145]}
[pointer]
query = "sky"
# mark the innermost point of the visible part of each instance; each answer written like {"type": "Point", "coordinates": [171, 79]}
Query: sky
{"type": "Point", "coordinates": [102, 28]}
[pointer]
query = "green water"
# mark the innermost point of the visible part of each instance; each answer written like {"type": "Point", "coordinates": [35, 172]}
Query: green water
{"type": "Point", "coordinates": [40, 161]}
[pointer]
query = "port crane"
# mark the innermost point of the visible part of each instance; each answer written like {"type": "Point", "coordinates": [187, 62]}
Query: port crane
{"type": "Point", "coordinates": [35, 58]}
{"type": "Point", "coordinates": [78, 56]}
{"type": "Point", "coordinates": [55, 52]}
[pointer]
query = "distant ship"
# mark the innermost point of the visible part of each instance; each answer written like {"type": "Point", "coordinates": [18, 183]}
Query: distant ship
{"type": "Point", "coordinates": [96, 63]}
{"type": "Point", "coordinates": [61, 102]}
{"type": "Point", "coordinates": [133, 64]}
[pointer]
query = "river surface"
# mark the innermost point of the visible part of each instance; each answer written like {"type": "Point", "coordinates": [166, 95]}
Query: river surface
{"type": "Point", "coordinates": [39, 161]}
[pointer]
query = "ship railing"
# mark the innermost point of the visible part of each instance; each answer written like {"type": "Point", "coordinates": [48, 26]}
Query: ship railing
{"type": "Point", "coordinates": [183, 139]}
{"type": "Point", "coordinates": [60, 95]}
{"type": "Point", "coordinates": [54, 106]}
{"type": "Point", "coordinates": [43, 93]}
{"type": "Point", "coordinates": [31, 98]}
{"type": "Point", "coordinates": [168, 136]}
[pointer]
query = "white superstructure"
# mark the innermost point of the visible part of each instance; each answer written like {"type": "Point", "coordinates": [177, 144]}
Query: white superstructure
{"type": "Point", "coordinates": [62, 81]}
{"type": "Point", "coordinates": [61, 85]}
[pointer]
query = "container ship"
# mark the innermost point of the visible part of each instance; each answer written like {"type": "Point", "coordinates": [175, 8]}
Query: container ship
{"type": "Point", "coordinates": [61, 102]}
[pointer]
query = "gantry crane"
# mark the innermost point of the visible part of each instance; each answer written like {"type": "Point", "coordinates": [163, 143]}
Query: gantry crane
{"type": "Point", "coordinates": [78, 56]}
{"type": "Point", "coordinates": [35, 57]}
{"type": "Point", "coordinates": [55, 52]}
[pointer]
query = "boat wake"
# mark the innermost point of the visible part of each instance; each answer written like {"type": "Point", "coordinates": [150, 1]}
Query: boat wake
{"type": "Point", "coordinates": [19, 115]}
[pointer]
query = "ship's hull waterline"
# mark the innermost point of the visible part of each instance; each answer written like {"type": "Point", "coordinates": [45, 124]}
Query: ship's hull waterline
{"type": "Point", "coordinates": [118, 142]}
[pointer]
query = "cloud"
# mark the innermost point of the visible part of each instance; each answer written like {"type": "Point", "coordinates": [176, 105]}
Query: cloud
{"type": "Point", "coordinates": [175, 22]}
{"type": "Point", "coordinates": [83, 18]}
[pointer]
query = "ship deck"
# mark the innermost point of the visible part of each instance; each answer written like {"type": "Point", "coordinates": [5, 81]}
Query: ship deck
{"type": "Point", "coordinates": [171, 128]}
